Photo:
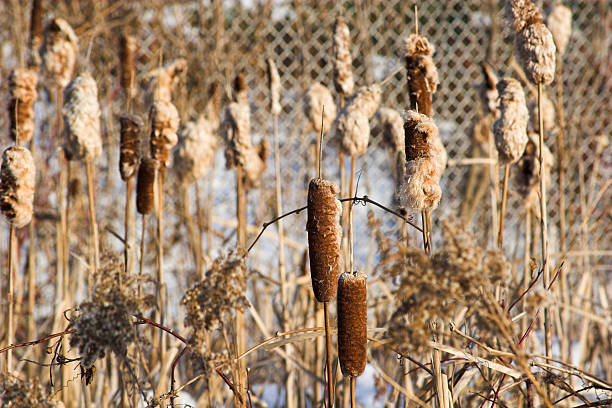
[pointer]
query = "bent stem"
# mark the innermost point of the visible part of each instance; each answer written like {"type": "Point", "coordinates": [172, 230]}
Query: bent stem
{"type": "Point", "coordinates": [500, 234]}
{"type": "Point", "coordinates": [328, 351]}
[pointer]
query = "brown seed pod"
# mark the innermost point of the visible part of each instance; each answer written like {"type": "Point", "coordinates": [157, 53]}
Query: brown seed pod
{"type": "Point", "coordinates": [129, 150]}
{"type": "Point", "coordinates": [17, 178]}
{"type": "Point", "coordinates": [324, 235]}
{"type": "Point", "coordinates": [274, 85]}
{"type": "Point", "coordinates": [82, 118]}
{"type": "Point", "coordinates": [527, 179]}
{"type": "Point", "coordinates": [316, 98]}
{"type": "Point", "coordinates": [164, 124]}
{"type": "Point", "coordinates": [559, 22]}
{"type": "Point", "coordinates": [212, 109]}
{"type": "Point", "coordinates": [147, 173]}
{"type": "Point", "coordinates": [353, 125]}
{"type": "Point", "coordinates": [341, 58]}
{"type": "Point", "coordinates": [36, 32]}
{"type": "Point", "coordinates": [389, 123]}
{"type": "Point", "coordinates": [520, 14]}
{"type": "Point", "coordinates": [22, 88]}
{"type": "Point", "coordinates": [352, 323]}
{"type": "Point", "coordinates": [511, 128]}
{"type": "Point", "coordinates": [59, 52]}
{"type": "Point", "coordinates": [161, 81]}
{"type": "Point", "coordinates": [195, 149]}
{"type": "Point", "coordinates": [421, 73]}
{"type": "Point", "coordinates": [535, 48]}
{"type": "Point", "coordinates": [127, 49]}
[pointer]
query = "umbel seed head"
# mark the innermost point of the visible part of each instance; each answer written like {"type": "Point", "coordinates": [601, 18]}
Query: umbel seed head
{"type": "Point", "coordinates": [324, 235]}
{"type": "Point", "coordinates": [352, 323]}
{"type": "Point", "coordinates": [147, 173]}
{"type": "Point", "coordinates": [129, 153]}
{"type": "Point", "coordinates": [17, 178]}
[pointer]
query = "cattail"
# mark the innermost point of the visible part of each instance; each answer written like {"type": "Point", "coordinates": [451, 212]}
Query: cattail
{"type": "Point", "coordinates": [17, 186]}
{"type": "Point", "coordinates": [559, 23]}
{"type": "Point", "coordinates": [352, 323]}
{"type": "Point", "coordinates": [22, 88]}
{"type": "Point", "coordinates": [324, 235]}
{"type": "Point", "coordinates": [511, 128]}
{"type": "Point", "coordinates": [548, 114]}
{"type": "Point", "coordinates": [421, 74]}
{"type": "Point", "coordinates": [316, 98]}
{"type": "Point", "coordinates": [236, 125]}
{"type": "Point", "coordinates": [36, 32]}
{"type": "Point", "coordinates": [127, 48]}
{"type": "Point", "coordinates": [527, 178]}
{"type": "Point", "coordinates": [59, 52]}
{"type": "Point", "coordinates": [533, 42]}
{"type": "Point", "coordinates": [390, 124]}
{"type": "Point", "coordinates": [274, 85]}
{"type": "Point", "coordinates": [164, 124]}
{"type": "Point", "coordinates": [195, 150]}
{"type": "Point", "coordinates": [212, 108]}
{"type": "Point", "coordinates": [353, 125]}
{"type": "Point", "coordinates": [82, 118]}
{"type": "Point", "coordinates": [425, 162]}
{"type": "Point", "coordinates": [341, 57]}
{"type": "Point", "coordinates": [129, 153]}
{"type": "Point", "coordinates": [147, 173]}
{"type": "Point", "coordinates": [161, 81]}
{"type": "Point", "coordinates": [255, 164]}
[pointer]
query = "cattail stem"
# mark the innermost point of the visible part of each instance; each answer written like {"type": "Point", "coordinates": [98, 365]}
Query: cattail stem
{"type": "Point", "coordinates": [129, 189]}
{"type": "Point", "coordinates": [142, 252]}
{"type": "Point", "coordinates": [328, 351]}
{"type": "Point", "coordinates": [350, 215]}
{"type": "Point", "coordinates": [94, 245]}
{"type": "Point", "coordinates": [424, 231]}
{"type": "Point", "coordinates": [160, 264]}
{"type": "Point", "coordinates": [279, 211]}
{"type": "Point", "coordinates": [10, 330]}
{"type": "Point", "coordinates": [241, 244]}
{"type": "Point", "coordinates": [500, 234]}
{"type": "Point", "coordinates": [353, 380]}
{"type": "Point", "coordinates": [200, 222]}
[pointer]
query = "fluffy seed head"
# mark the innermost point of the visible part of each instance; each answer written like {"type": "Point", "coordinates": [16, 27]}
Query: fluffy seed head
{"type": "Point", "coordinates": [527, 178]}
{"type": "Point", "coordinates": [536, 51]}
{"type": "Point", "coordinates": [318, 96]}
{"type": "Point", "coordinates": [421, 73]}
{"type": "Point", "coordinates": [82, 118]}
{"type": "Point", "coordinates": [341, 57]}
{"type": "Point", "coordinates": [212, 109]}
{"type": "Point", "coordinates": [22, 88]}
{"type": "Point", "coordinates": [390, 124]}
{"type": "Point", "coordinates": [164, 124]}
{"type": "Point", "coordinates": [197, 144]}
{"type": "Point", "coordinates": [17, 177]}
{"type": "Point", "coordinates": [129, 149]}
{"type": "Point", "coordinates": [255, 164]}
{"type": "Point", "coordinates": [511, 128]}
{"type": "Point", "coordinates": [353, 125]}
{"type": "Point", "coordinates": [352, 323]}
{"type": "Point", "coordinates": [236, 126]}
{"type": "Point", "coordinates": [147, 172]}
{"type": "Point", "coordinates": [324, 236]}
{"type": "Point", "coordinates": [274, 85]}
{"type": "Point", "coordinates": [59, 52]}
{"type": "Point", "coordinates": [240, 89]}
{"type": "Point", "coordinates": [127, 49]}
{"type": "Point", "coordinates": [559, 22]}
{"type": "Point", "coordinates": [161, 81]}
{"type": "Point", "coordinates": [520, 14]}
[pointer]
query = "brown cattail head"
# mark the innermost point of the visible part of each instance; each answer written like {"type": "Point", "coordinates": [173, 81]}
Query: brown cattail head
{"type": "Point", "coordinates": [240, 89]}
{"type": "Point", "coordinates": [324, 236]}
{"type": "Point", "coordinates": [511, 128]}
{"type": "Point", "coordinates": [316, 98]}
{"type": "Point", "coordinates": [82, 118]}
{"type": "Point", "coordinates": [274, 85]}
{"type": "Point", "coordinates": [236, 126]}
{"type": "Point", "coordinates": [425, 163]}
{"type": "Point", "coordinates": [59, 52]}
{"type": "Point", "coordinates": [353, 125]}
{"type": "Point", "coordinates": [147, 173]}
{"type": "Point", "coordinates": [341, 57]}
{"type": "Point", "coordinates": [196, 147]}
{"type": "Point", "coordinates": [36, 32]}
{"type": "Point", "coordinates": [389, 123]}
{"type": "Point", "coordinates": [17, 177]}
{"type": "Point", "coordinates": [164, 124]}
{"type": "Point", "coordinates": [212, 109]}
{"type": "Point", "coordinates": [352, 323]}
{"type": "Point", "coordinates": [559, 22]}
{"type": "Point", "coordinates": [22, 88]}
{"type": "Point", "coordinates": [127, 49]}
{"type": "Point", "coordinates": [520, 14]}
{"type": "Point", "coordinates": [129, 152]}
{"type": "Point", "coordinates": [527, 178]}
{"type": "Point", "coordinates": [161, 81]}
{"type": "Point", "coordinates": [421, 73]}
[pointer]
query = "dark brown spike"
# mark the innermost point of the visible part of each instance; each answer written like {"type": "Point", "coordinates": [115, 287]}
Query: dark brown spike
{"type": "Point", "coordinates": [129, 153]}
{"type": "Point", "coordinates": [147, 173]}
{"type": "Point", "coordinates": [352, 323]}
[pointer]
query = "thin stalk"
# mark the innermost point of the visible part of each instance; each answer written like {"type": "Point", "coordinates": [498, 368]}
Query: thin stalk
{"type": "Point", "coordinates": [424, 231]}
{"type": "Point", "coordinates": [10, 330]}
{"type": "Point", "coordinates": [209, 213]}
{"type": "Point", "coordinates": [160, 265]}
{"type": "Point", "coordinates": [328, 351]}
{"type": "Point", "coordinates": [142, 251]}
{"type": "Point", "coordinates": [31, 326]}
{"type": "Point", "coordinates": [350, 216]}
{"type": "Point", "coordinates": [241, 244]}
{"type": "Point", "coordinates": [429, 230]}
{"type": "Point", "coordinates": [353, 404]}
{"type": "Point", "coordinates": [93, 244]}
{"type": "Point", "coordinates": [500, 234]}
{"type": "Point", "coordinates": [200, 223]}
{"type": "Point", "coordinates": [129, 261]}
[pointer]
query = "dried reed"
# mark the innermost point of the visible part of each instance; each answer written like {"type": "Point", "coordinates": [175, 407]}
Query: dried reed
{"type": "Point", "coordinates": [22, 89]}
{"type": "Point", "coordinates": [160, 82]}
{"type": "Point", "coordinates": [127, 76]}
{"type": "Point", "coordinates": [274, 86]}
{"type": "Point", "coordinates": [422, 75]}
{"type": "Point", "coordinates": [341, 58]}
{"type": "Point", "coordinates": [59, 52]}
{"type": "Point", "coordinates": [352, 323]}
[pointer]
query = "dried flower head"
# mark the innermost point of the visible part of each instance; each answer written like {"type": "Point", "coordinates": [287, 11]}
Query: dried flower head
{"type": "Point", "coordinates": [255, 164]}
{"type": "Point", "coordinates": [341, 57]}
{"type": "Point", "coordinates": [164, 126]}
{"type": "Point", "coordinates": [274, 86]}
{"type": "Point", "coordinates": [527, 179]}
{"type": "Point", "coordinates": [127, 49]}
{"type": "Point", "coordinates": [520, 14]}
{"type": "Point", "coordinates": [18, 393]}
{"type": "Point", "coordinates": [212, 301]}
{"type": "Point", "coordinates": [161, 81]}
{"type": "Point", "coordinates": [129, 149]}
{"type": "Point", "coordinates": [425, 163]}
{"type": "Point", "coordinates": [390, 124]}
{"type": "Point", "coordinates": [59, 52]}
{"type": "Point", "coordinates": [559, 22]}
{"type": "Point", "coordinates": [82, 118]}
{"type": "Point", "coordinates": [212, 109]}
{"type": "Point", "coordinates": [353, 122]}
{"type": "Point", "coordinates": [536, 50]}
{"type": "Point", "coordinates": [196, 147]}
{"type": "Point", "coordinates": [36, 33]}
{"type": "Point", "coordinates": [511, 128]}
{"type": "Point", "coordinates": [240, 94]}
{"type": "Point", "coordinates": [17, 178]}
{"type": "Point", "coordinates": [147, 173]}
{"type": "Point", "coordinates": [548, 114]}
{"type": "Point", "coordinates": [352, 323]}
{"type": "Point", "coordinates": [22, 88]}
{"type": "Point", "coordinates": [422, 75]}
{"type": "Point", "coordinates": [316, 98]}
{"type": "Point", "coordinates": [324, 236]}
